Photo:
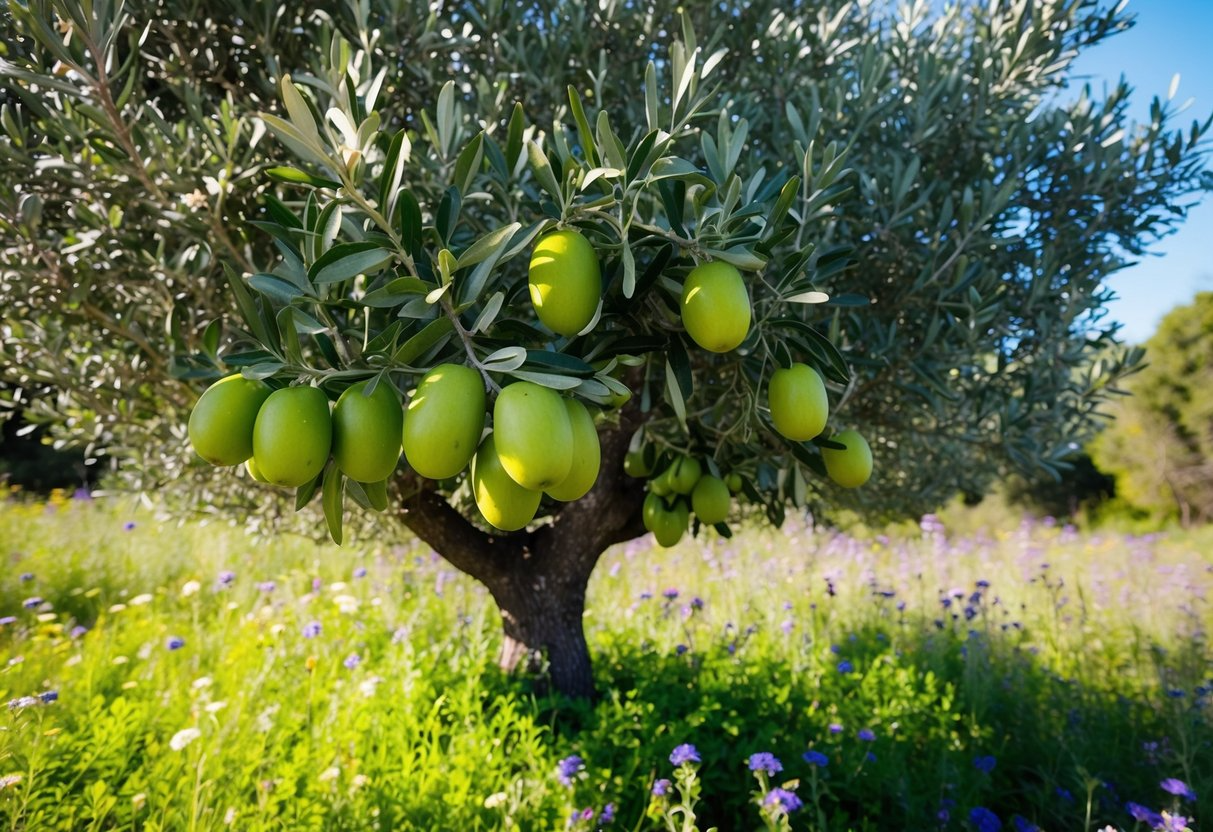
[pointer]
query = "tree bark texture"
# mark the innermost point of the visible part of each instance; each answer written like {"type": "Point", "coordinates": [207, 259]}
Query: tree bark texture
{"type": "Point", "coordinates": [538, 577]}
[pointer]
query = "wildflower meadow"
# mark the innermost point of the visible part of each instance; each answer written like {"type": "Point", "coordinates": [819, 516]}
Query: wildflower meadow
{"type": "Point", "coordinates": [165, 676]}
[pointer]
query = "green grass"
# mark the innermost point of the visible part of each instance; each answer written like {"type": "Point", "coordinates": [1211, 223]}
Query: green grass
{"type": "Point", "coordinates": [1088, 681]}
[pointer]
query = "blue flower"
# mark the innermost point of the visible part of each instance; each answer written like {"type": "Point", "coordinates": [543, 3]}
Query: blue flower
{"type": "Point", "coordinates": [227, 577]}
{"type": "Point", "coordinates": [835, 728]}
{"type": "Point", "coordinates": [311, 629]}
{"type": "Point", "coordinates": [685, 753]}
{"type": "Point", "coordinates": [8, 619]}
{"type": "Point", "coordinates": [128, 525]}
{"type": "Point", "coordinates": [1142, 814]}
{"type": "Point", "coordinates": [783, 799]}
{"type": "Point", "coordinates": [845, 666]}
{"type": "Point", "coordinates": [567, 768]}
{"type": "Point", "coordinates": [78, 631]}
{"type": "Point", "coordinates": [352, 661]}
{"type": "Point", "coordinates": [984, 819]}
{"type": "Point", "coordinates": [26, 577]}
{"type": "Point", "coordinates": [1178, 788]}
{"type": "Point", "coordinates": [360, 572]}
{"type": "Point", "coordinates": [670, 594]}
{"type": "Point", "coordinates": [766, 762]}
{"type": "Point", "coordinates": [49, 696]}
{"type": "Point", "coordinates": [985, 763]}
{"type": "Point", "coordinates": [661, 788]}
{"type": "Point", "coordinates": [816, 758]}
{"type": "Point", "coordinates": [870, 757]}
{"type": "Point", "coordinates": [267, 586]}
{"type": "Point", "coordinates": [697, 603]}
{"type": "Point", "coordinates": [30, 603]}
{"type": "Point", "coordinates": [680, 649]}
{"type": "Point", "coordinates": [866, 735]}
{"type": "Point", "coordinates": [175, 643]}
{"type": "Point", "coordinates": [608, 814]}
{"type": "Point", "coordinates": [1022, 824]}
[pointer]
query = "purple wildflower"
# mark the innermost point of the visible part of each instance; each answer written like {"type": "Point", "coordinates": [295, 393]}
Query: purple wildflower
{"type": "Point", "coordinates": [867, 735]}
{"type": "Point", "coordinates": [1022, 824]}
{"type": "Point", "coordinates": [670, 594]}
{"type": "Point", "coordinates": [661, 788]}
{"type": "Point", "coordinates": [227, 577]}
{"type": "Point", "coordinates": [8, 619]}
{"type": "Point", "coordinates": [30, 603]}
{"type": "Point", "coordinates": [49, 696]}
{"type": "Point", "coordinates": [835, 728]}
{"type": "Point", "coordinates": [311, 629]}
{"type": "Point", "coordinates": [1178, 788]}
{"type": "Point", "coordinates": [608, 814]}
{"type": "Point", "coordinates": [765, 762]}
{"type": "Point", "coordinates": [783, 800]}
{"type": "Point", "coordinates": [845, 667]}
{"type": "Point", "coordinates": [984, 820]}
{"type": "Point", "coordinates": [267, 586]}
{"type": "Point", "coordinates": [174, 643]}
{"type": "Point", "coordinates": [129, 525]}
{"type": "Point", "coordinates": [680, 649]}
{"type": "Point", "coordinates": [360, 572]}
{"type": "Point", "coordinates": [985, 763]}
{"type": "Point", "coordinates": [683, 754]}
{"type": "Point", "coordinates": [1143, 815]}
{"type": "Point", "coordinates": [352, 661]}
{"type": "Point", "coordinates": [78, 631]}
{"type": "Point", "coordinates": [816, 758]}
{"type": "Point", "coordinates": [26, 577]}
{"type": "Point", "coordinates": [567, 768]}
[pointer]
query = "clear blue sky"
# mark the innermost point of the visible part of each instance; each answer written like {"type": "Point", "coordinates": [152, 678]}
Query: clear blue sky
{"type": "Point", "coordinates": [1170, 36]}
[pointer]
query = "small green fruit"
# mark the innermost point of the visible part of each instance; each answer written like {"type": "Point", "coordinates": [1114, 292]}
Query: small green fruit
{"type": "Point", "coordinates": [504, 503]}
{"type": "Point", "coordinates": [534, 436]}
{"type": "Point", "coordinates": [671, 525]}
{"type": "Point", "coordinates": [734, 482]}
{"type": "Point", "coordinates": [293, 436]}
{"type": "Point", "coordinates": [850, 468]}
{"type": "Point", "coordinates": [715, 306]}
{"type": "Point", "coordinates": [221, 423]}
{"type": "Point", "coordinates": [565, 281]}
{"type": "Point", "coordinates": [711, 500]}
{"type": "Point", "coordinates": [635, 465]}
{"type": "Point", "coordinates": [685, 472]}
{"type": "Point", "coordinates": [799, 406]}
{"type": "Point", "coordinates": [444, 421]}
{"type": "Point", "coordinates": [587, 455]}
{"type": "Point", "coordinates": [366, 432]}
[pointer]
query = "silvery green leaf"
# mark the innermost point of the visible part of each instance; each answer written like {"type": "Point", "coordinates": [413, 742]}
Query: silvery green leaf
{"type": "Point", "coordinates": [808, 297]}
{"type": "Point", "coordinates": [551, 380]}
{"type": "Point", "coordinates": [505, 360]}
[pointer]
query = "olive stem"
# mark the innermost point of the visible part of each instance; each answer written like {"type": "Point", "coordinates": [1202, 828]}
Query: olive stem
{"type": "Point", "coordinates": [493, 387]}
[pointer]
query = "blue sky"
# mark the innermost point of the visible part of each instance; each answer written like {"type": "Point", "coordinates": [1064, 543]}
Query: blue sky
{"type": "Point", "coordinates": [1170, 36]}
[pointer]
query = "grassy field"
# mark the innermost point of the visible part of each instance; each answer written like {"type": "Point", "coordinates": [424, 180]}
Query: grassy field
{"type": "Point", "coordinates": [189, 677]}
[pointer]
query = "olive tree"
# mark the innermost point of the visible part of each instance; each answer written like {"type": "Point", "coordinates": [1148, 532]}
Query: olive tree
{"type": "Point", "coordinates": [924, 210]}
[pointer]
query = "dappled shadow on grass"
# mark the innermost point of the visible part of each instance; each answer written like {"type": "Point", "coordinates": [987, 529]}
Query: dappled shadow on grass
{"type": "Point", "coordinates": [939, 702]}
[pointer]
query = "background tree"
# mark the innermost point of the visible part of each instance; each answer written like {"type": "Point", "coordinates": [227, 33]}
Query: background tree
{"type": "Point", "coordinates": [938, 173]}
{"type": "Point", "coordinates": [1160, 445]}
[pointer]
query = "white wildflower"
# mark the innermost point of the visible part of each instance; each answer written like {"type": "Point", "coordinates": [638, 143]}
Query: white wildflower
{"type": "Point", "coordinates": [330, 773]}
{"type": "Point", "coordinates": [202, 682]}
{"type": "Point", "coordinates": [215, 707]}
{"type": "Point", "coordinates": [183, 738]}
{"type": "Point", "coordinates": [140, 600]}
{"type": "Point", "coordinates": [190, 588]}
{"type": "Point", "coordinates": [495, 800]}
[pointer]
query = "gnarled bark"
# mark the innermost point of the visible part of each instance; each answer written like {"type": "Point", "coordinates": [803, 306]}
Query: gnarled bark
{"type": "Point", "coordinates": [538, 578]}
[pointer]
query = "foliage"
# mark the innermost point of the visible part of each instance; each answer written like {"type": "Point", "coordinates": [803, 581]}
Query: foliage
{"type": "Point", "coordinates": [848, 148]}
{"type": "Point", "coordinates": [1160, 446]}
{"type": "Point", "coordinates": [1078, 488]}
{"type": "Point", "coordinates": [356, 689]}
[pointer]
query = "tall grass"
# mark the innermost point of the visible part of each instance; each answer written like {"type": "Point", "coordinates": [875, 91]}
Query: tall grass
{"type": "Point", "coordinates": [205, 680]}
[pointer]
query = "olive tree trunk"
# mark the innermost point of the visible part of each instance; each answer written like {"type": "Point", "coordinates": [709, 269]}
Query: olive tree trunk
{"type": "Point", "coordinates": [538, 578]}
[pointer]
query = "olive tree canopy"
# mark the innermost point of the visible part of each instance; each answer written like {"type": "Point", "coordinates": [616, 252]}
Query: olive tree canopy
{"type": "Point", "coordinates": [176, 175]}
